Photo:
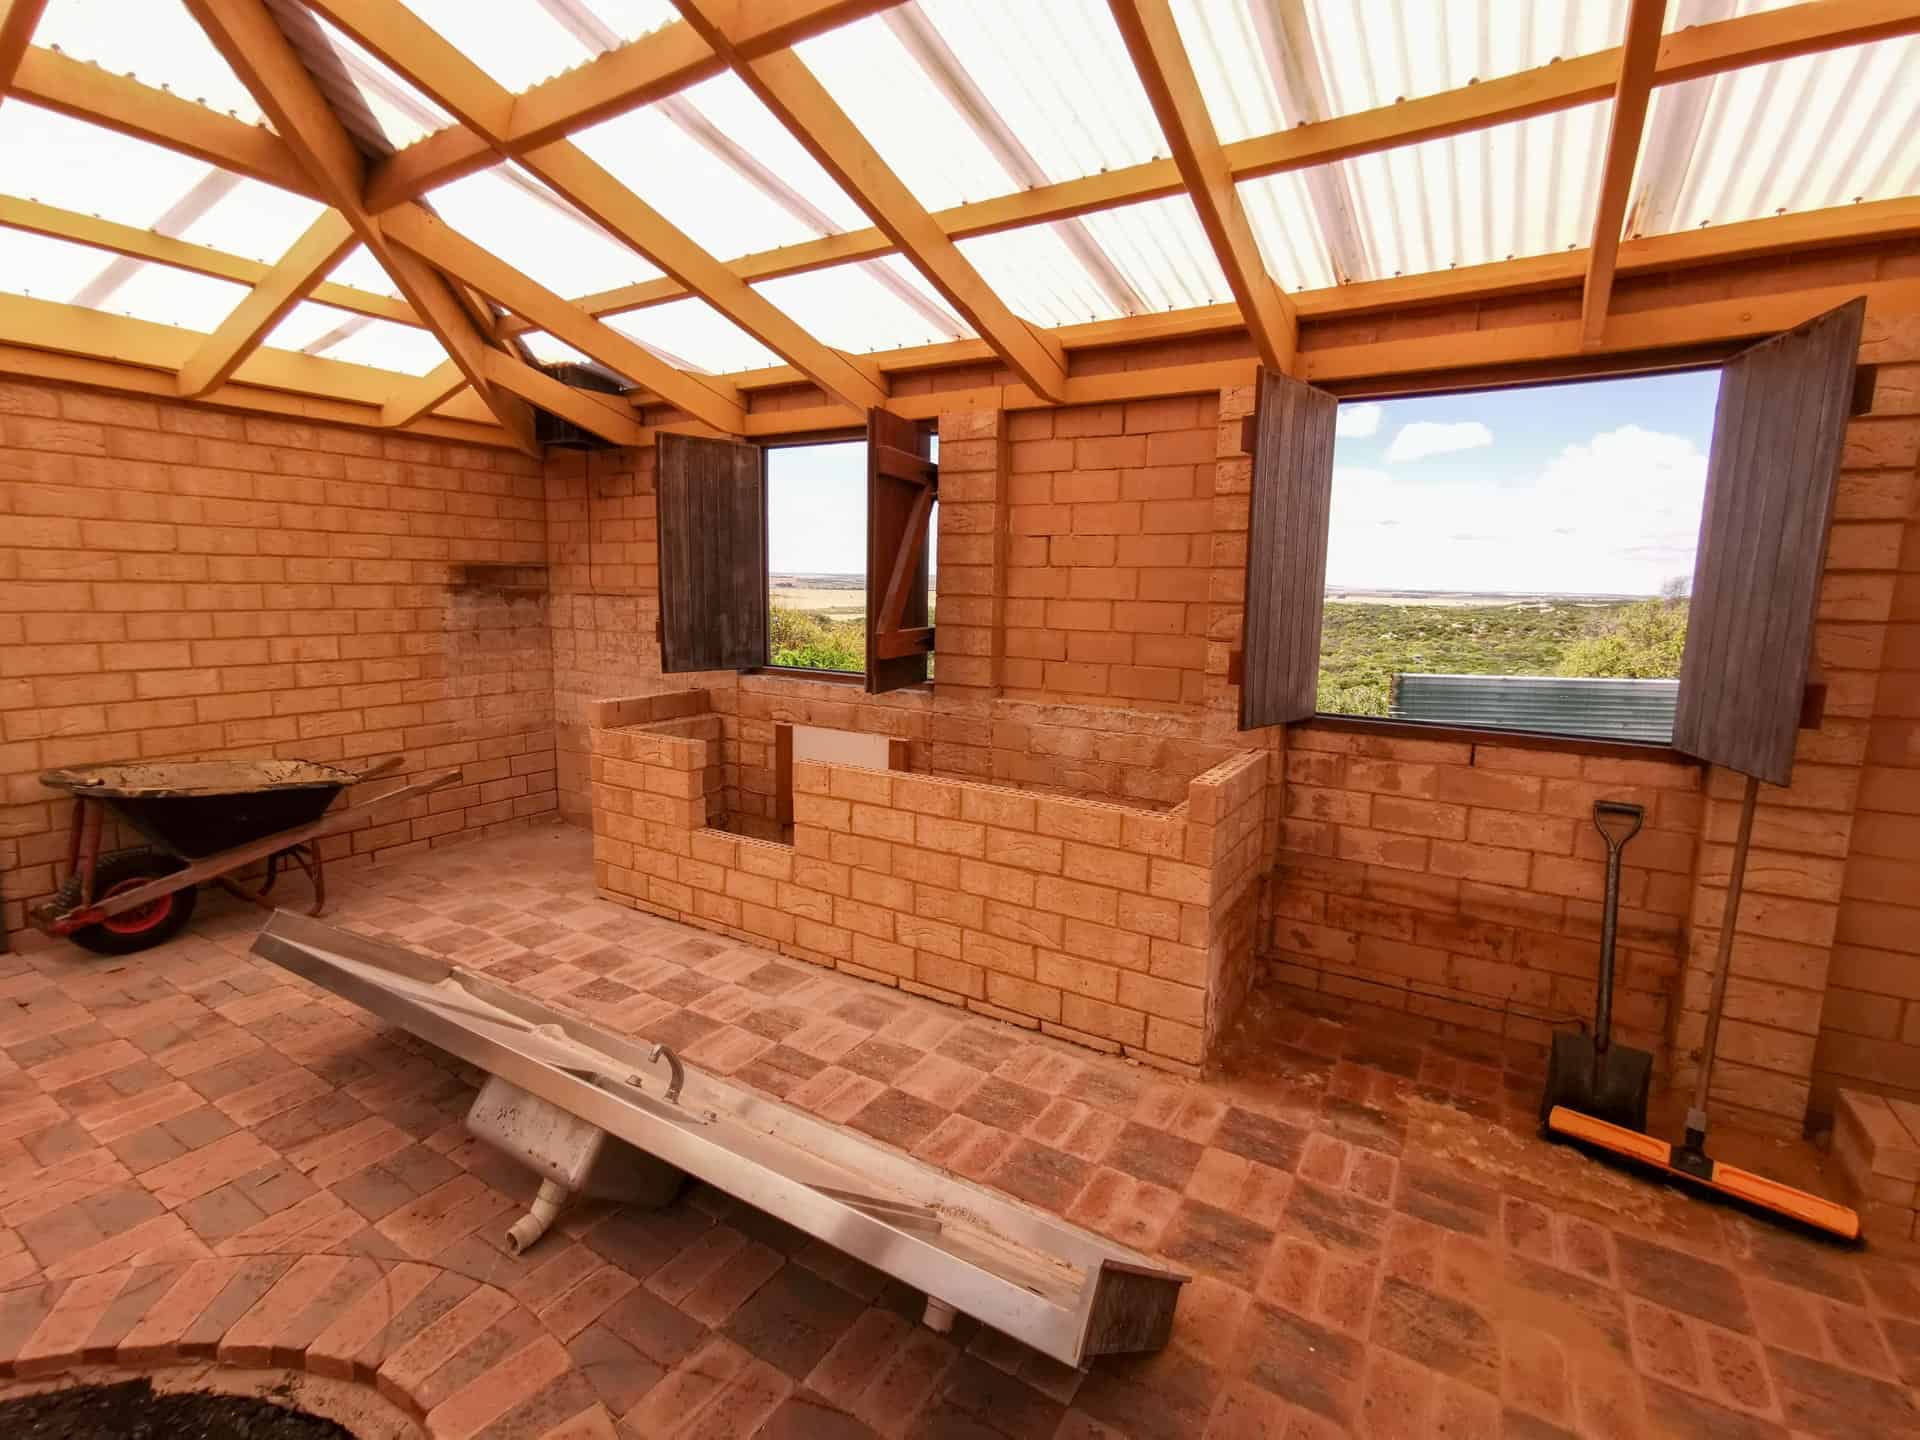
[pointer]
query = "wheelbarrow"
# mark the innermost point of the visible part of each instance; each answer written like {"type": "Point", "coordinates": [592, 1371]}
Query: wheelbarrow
{"type": "Point", "coordinates": [204, 819]}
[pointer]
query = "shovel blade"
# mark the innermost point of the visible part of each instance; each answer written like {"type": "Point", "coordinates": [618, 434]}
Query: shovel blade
{"type": "Point", "coordinates": [1611, 1086]}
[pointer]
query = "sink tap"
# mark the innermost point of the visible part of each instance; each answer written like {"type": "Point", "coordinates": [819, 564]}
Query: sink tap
{"type": "Point", "coordinates": [661, 1052]}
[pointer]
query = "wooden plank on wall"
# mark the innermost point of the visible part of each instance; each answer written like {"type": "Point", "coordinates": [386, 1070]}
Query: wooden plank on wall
{"type": "Point", "coordinates": [901, 486]}
{"type": "Point", "coordinates": [1777, 436]}
{"type": "Point", "coordinates": [1286, 550]}
{"type": "Point", "coordinates": [713, 557]}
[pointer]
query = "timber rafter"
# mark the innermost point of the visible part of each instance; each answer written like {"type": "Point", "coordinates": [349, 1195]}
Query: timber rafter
{"type": "Point", "coordinates": [306, 152]}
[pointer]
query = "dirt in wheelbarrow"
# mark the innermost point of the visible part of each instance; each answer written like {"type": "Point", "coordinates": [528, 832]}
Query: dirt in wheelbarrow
{"type": "Point", "coordinates": [204, 777]}
{"type": "Point", "coordinates": [134, 1410]}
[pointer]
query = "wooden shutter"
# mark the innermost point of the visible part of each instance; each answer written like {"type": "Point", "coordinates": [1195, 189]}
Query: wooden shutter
{"type": "Point", "coordinates": [713, 554]}
{"type": "Point", "coordinates": [902, 484]}
{"type": "Point", "coordinates": [1286, 551]}
{"type": "Point", "coordinates": [1777, 432]}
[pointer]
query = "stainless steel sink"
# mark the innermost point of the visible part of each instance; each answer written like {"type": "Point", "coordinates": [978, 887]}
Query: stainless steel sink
{"type": "Point", "coordinates": [1061, 1289]}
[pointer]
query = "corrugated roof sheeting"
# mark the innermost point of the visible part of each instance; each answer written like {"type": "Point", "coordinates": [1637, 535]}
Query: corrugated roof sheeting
{"type": "Point", "coordinates": [1827, 129]}
{"type": "Point", "coordinates": [156, 41]}
{"type": "Point", "coordinates": [694, 334]}
{"type": "Point", "coordinates": [1527, 188]}
{"type": "Point", "coordinates": [847, 307]}
{"type": "Point", "coordinates": [1160, 249]}
{"type": "Point", "coordinates": [49, 269]}
{"type": "Point", "coordinates": [537, 233]}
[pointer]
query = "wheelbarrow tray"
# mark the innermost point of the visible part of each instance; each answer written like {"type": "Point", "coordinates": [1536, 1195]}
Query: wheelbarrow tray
{"type": "Point", "coordinates": [198, 808]}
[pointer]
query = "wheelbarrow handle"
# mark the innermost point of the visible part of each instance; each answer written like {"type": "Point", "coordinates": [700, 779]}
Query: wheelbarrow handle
{"type": "Point", "coordinates": [381, 766]}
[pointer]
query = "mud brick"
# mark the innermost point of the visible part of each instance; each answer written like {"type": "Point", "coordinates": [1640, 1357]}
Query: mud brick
{"type": "Point", "coordinates": [499, 1390]}
{"type": "Point", "coordinates": [658, 1331]}
{"type": "Point", "coordinates": [1004, 1104]}
{"type": "Point", "coordinates": [1154, 1397]}
{"type": "Point", "coordinates": [253, 1337]}
{"type": "Point", "coordinates": [57, 1341]}
{"type": "Point", "coordinates": [898, 1118]}
{"type": "Point", "coordinates": [1303, 1363]}
{"type": "Point", "coordinates": [1215, 1240]}
{"type": "Point", "coordinates": [144, 1288]}
{"type": "Point", "coordinates": [869, 1343]}
{"type": "Point", "coordinates": [688, 1390]}
{"type": "Point", "coordinates": [726, 1288]}
{"type": "Point", "coordinates": [510, 1333]}
{"type": "Point", "coordinates": [1041, 1175]}
{"type": "Point", "coordinates": [793, 1320]}
{"type": "Point", "coordinates": [1439, 1331]}
{"type": "Point", "coordinates": [1826, 1400]}
{"type": "Point", "coordinates": [252, 1280]}
{"type": "Point", "coordinates": [1334, 1219]}
{"type": "Point", "coordinates": [620, 1374]}
{"type": "Point", "coordinates": [980, 1046]}
{"type": "Point", "coordinates": [1446, 1200]}
{"type": "Point", "coordinates": [806, 1416]}
{"type": "Point", "coordinates": [1154, 1155]}
{"type": "Point", "coordinates": [586, 1302]}
{"type": "Point", "coordinates": [407, 1366]}
{"type": "Point", "coordinates": [408, 1318]}
{"type": "Point", "coordinates": [1260, 1138]}
{"type": "Point", "coordinates": [1683, 1282]}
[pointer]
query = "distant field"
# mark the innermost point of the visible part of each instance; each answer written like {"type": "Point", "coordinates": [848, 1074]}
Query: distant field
{"type": "Point", "coordinates": [819, 622]}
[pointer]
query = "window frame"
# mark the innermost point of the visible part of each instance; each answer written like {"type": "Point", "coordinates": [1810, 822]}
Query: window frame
{"type": "Point", "coordinates": [1534, 377]}
{"type": "Point", "coordinates": [800, 442]}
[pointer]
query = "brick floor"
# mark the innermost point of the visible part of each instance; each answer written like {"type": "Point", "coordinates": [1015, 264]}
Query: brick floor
{"type": "Point", "coordinates": [202, 1159]}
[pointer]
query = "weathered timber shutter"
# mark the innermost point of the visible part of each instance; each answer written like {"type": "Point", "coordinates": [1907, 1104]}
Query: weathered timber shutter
{"type": "Point", "coordinates": [1777, 433]}
{"type": "Point", "coordinates": [1286, 551]}
{"type": "Point", "coordinates": [902, 485]}
{"type": "Point", "coordinates": [713, 554]}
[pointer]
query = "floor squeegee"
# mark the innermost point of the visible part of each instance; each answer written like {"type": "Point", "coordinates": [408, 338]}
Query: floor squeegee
{"type": "Point", "coordinates": [1688, 1162]}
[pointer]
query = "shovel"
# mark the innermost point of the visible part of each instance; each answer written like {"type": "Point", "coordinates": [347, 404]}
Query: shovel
{"type": "Point", "coordinates": [1589, 1073]}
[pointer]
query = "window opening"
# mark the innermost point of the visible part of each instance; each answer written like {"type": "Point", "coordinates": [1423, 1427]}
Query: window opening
{"type": "Point", "coordinates": [1517, 559]}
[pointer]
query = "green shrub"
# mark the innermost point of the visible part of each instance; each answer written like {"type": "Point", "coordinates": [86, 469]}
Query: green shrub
{"type": "Point", "coordinates": [807, 640]}
{"type": "Point", "coordinates": [1637, 642]}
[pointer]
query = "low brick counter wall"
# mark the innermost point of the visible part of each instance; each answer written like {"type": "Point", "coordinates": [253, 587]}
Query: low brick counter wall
{"type": "Point", "coordinates": [1122, 928]}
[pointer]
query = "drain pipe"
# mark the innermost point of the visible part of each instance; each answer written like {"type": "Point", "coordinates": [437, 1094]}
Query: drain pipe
{"type": "Point", "coordinates": [531, 1226]}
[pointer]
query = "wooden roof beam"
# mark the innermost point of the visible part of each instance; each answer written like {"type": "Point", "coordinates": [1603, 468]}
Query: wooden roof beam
{"type": "Point", "coordinates": [784, 84]}
{"type": "Point", "coordinates": [247, 36]}
{"type": "Point", "coordinates": [607, 416]}
{"type": "Point", "coordinates": [714, 403]}
{"type": "Point", "coordinates": [123, 104]}
{"type": "Point", "coordinates": [424, 57]}
{"type": "Point", "coordinates": [1161, 60]}
{"type": "Point", "coordinates": [18, 19]}
{"type": "Point", "coordinates": [323, 246]}
{"type": "Point", "coordinates": [1631, 97]}
{"type": "Point", "coordinates": [662, 63]}
{"type": "Point", "coordinates": [429, 392]}
{"type": "Point", "coordinates": [136, 244]}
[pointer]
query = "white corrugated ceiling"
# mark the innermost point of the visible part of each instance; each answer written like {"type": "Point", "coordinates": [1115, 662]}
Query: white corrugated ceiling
{"type": "Point", "coordinates": [970, 100]}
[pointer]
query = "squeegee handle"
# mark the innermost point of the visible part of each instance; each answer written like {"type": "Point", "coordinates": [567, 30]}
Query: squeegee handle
{"type": "Point", "coordinates": [1722, 963]}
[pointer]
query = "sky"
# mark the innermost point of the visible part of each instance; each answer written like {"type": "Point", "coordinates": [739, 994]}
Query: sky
{"type": "Point", "coordinates": [1588, 488]}
{"type": "Point", "coordinates": [817, 509]}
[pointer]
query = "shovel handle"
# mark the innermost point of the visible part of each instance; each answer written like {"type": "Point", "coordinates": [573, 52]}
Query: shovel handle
{"type": "Point", "coordinates": [1618, 810]}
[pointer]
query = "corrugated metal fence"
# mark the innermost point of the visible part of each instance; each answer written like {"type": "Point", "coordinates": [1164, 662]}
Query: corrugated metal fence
{"type": "Point", "coordinates": [1550, 704]}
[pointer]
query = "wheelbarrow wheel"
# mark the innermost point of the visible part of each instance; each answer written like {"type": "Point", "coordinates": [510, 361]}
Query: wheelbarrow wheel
{"type": "Point", "coordinates": [140, 928]}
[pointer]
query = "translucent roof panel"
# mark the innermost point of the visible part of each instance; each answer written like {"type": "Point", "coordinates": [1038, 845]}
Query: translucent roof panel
{"type": "Point", "coordinates": [1161, 251]}
{"type": "Point", "coordinates": [82, 167]}
{"type": "Point", "coordinates": [862, 308]}
{"type": "Point", "coordinates": [363, 272]}
{"type": "Point", "coordinates": [57, 270]}
{"type": "Point", "coordinates": [254, 219]}
{"type": "Point", "coordinates": [309, 324]}
{"type": "Point", "coordinates": [1037, 271]}
{"type": "Point", "coordinates": [156, 41]}
{"type": "Point", "coordinates": [386, 346]}
{"type": "Point", "coordinates": [537, 233]}
{"type": "Point", "coordinates": [1834, 129]}
{"type": "Point", "coordinates": [1281, 214]}
{"type": "Point", "coordinates": [1058, 75]}
{"type": "Point", "coordinates": [518, 42]}
{"type": "Point", "coordinates": [549, 351]}
{"type": "Point", "coordinates": [1522, 189]}
{"type": "Point", "coordinates": [719, 166]}
{"type": "Point", "coordinates": [1264, 67]}
{"type": "Point", "coordinates": [918, 132]}
{"type": "Point", "coordinates": [693, 335]}
{"type": "Point", "coordinates": [401, 112]}
{"type": "Point", "coordinates": [630, 19]}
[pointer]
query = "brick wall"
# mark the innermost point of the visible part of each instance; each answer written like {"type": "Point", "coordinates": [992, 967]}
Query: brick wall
{"type": "Point", "coordinates": [1436, 878]}
{"type": "Point", "coordinates": [177, 581]}
{"type": "Point", "coordinates": [1097, 922]}
{"type": "Point", "coordinates": [1110, 521]}
{"type": "Point", "coordinates": [1869, 1034]}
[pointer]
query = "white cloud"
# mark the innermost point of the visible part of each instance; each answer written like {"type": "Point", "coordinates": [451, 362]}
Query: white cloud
{"type": "Point", "coordinates": [1618, 515]}
{"type": "Point", "coordinates": [1357, 422]}
{"type": "Point", "coordinates": [1433, 437]}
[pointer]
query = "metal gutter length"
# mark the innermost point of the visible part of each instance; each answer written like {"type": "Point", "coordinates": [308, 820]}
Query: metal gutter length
{"type": "Point", "coordinates": [1062, 1290]}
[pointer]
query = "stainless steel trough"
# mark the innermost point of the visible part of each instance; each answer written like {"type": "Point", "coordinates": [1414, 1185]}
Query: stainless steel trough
{"type": "Point", "coordinates": [1063, 1290]}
